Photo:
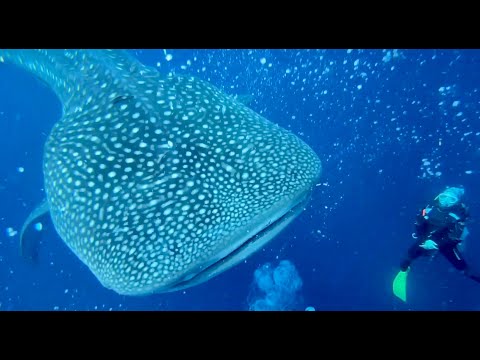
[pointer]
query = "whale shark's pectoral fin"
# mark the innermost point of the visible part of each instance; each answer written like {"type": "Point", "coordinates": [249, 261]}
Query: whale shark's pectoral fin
{"type": "Point", "coordinates": [28, 244]}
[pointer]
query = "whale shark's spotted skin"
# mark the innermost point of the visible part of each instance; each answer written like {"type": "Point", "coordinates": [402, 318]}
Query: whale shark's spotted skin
{"type": "Point", "coordinates": [152, 179]}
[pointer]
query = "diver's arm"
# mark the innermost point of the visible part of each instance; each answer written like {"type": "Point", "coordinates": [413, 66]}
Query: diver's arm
{"type": "Point", "coordinates": [421, 227]}
{"type": "Point", "coordinates": [465, 211]}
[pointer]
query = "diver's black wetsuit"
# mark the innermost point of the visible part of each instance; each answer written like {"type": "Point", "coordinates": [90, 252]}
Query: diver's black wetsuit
{"type": "Point", "coordinates": [445, 229]}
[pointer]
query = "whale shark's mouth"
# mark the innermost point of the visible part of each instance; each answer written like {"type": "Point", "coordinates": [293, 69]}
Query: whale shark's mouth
{"type": "Point", "coordinates": [247, 247]}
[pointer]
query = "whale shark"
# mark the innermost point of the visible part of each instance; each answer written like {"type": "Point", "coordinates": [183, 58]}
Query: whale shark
{"type": "Point", "coordinates": [160, 182]}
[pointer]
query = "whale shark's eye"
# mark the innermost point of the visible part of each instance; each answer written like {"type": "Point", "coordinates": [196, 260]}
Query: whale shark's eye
{"type": "Point", "coordinates": [122, 99]}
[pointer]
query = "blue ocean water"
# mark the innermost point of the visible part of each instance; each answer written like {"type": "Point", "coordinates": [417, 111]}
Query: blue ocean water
{"type": "Point", "coordinates": [392, 128]}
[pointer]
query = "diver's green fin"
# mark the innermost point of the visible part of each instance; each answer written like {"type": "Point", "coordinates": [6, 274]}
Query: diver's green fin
{"type": "Point", "coordinates": [400, 285]}
{"type": "Point", "coordinates": [244, 99]}
{"type": "Point", "coordinates": [27, 250]}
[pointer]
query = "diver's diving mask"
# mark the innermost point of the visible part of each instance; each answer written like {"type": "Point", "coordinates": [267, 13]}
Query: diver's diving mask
{"type": "Point", "coordinates": [450, 197]}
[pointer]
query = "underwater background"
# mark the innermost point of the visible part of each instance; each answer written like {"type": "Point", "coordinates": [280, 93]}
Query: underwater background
{"type": "Point", "coordinates": [393, 128]}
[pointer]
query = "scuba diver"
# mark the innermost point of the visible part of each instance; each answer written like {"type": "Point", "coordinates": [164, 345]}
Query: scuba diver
{"type": "Point", "coordinates": [438, 228]}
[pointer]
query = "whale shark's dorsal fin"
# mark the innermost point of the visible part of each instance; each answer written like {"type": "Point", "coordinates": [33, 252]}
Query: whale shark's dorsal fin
{"type": "Point", "coordinates": [27, 248]}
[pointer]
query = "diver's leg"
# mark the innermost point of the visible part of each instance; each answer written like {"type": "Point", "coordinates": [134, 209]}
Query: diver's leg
{"type": "Point", "coordinates": [453, 255]}
{"type": "Point", "coordinates": [471, 276]}
{"type": "Point", "coordinates": [456, 259]}
{"type": "Point", "coordinates": [414, 252]}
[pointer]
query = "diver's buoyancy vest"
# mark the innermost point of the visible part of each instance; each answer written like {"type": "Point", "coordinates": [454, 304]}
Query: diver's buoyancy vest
{"type": "Point", "coordinates": [438, 219]}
